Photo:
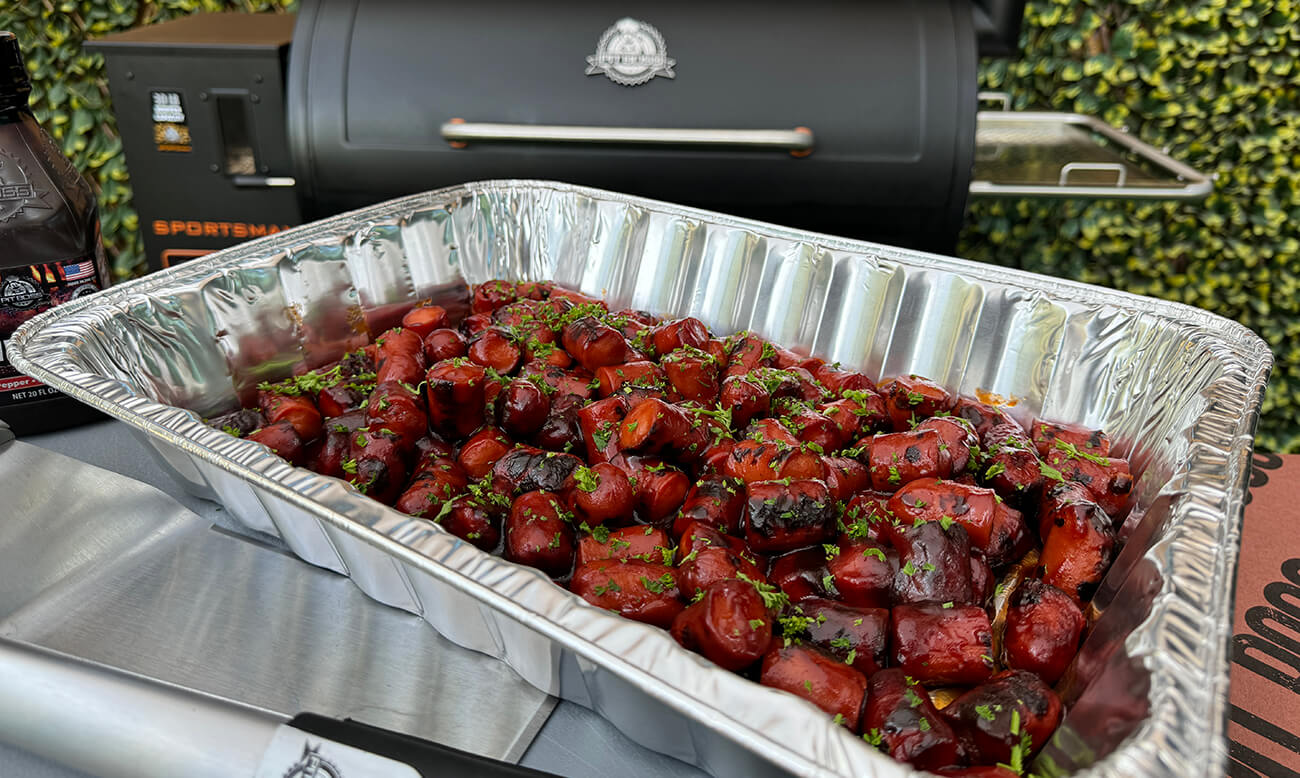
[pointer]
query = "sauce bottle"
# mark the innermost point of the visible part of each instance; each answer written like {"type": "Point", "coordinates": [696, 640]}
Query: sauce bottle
{"type": "Point", "coordinates": [50, 249]}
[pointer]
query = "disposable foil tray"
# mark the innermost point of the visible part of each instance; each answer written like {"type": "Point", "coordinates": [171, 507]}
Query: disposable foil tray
{"type": "Point", "coordinates": [1178, 388]}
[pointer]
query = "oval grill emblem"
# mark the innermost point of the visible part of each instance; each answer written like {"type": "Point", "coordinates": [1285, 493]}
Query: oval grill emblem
{"type": "Point", "coordinates": [631, 53]}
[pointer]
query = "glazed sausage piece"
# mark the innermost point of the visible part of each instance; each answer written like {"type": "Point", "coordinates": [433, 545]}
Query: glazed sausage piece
{"type": "Point", "coordinates": [241, 422]}
{"type": "Point", "coordinates": [283, 439]}
{"type": "Point", "coordinates": [978, 771]}
{"type": "Point", "coordinates": [982, 417]}
{"type": "Point", "coordinates": [656, 427]}
{"type": "Point", "coordinates": [1043, 629]}
{"type": "Point", "coordinates": [802, 574]}
{"type": "Point", "coordinates": [1045, 435]}
{"type": "Point", "coordinates": [982, 582]}
{"type": "Point", "coordinates": [856, 636]}
{"type": "Point", "coordinates": [522, 408]}
{"type": "Point", "coordinates": [1012, 466]}
{"type": "Point", "coordinates": [424, 319]}
{"type": "Point", "coordinates": [561, 431]}
{"type": "Point", "coordinates": [593, 344]}
{"type": "Point", "coordinates": [705, 566]}
{"type": "Point", "coordinates": [611, 379]}
{"type": "Point", "coordinates": [529, 469]}
{"type": "Point", "coordinates": [897, 458]}
{"type": "Point", "coordinates": [561, 381]}
{"type": "Point", "coordinates": [714, 501]}
{"type": "Point", "coordinates": [660, 488]}
{"type": "Point", "coordinates": [400, 356]}
{"type": "Point", "coordinates": [817, 430]}
{"type": "Point", "coordinates": [600, 494]}
{"type": "Point", "coordinates": [746, 351]}
{"type": "Point", "coordinates": [473, 520]}
{"type": "Point", "coordinates": [455, 394]}
{"type": "Point", "coordinates": [934, 563]}
{"type": "Point", "coordinates": [781, 517]}
{"type": "Point", "coordinates": [839, 382]}
{"type": "Point", "coordinates": [941, 645]}
{"type": "Point", "coordinates": [638, 541]}
{"type": "Point", "coordinates": [845, 477]}
{"type": "Point", "coordinates": [866, 516]}
{"type": "Point", "coordinates": [482, 451]}
{"type": "Point", "coordinates": [1107, 479]}
{"type": "Point", "coordinates": [694, 374]}
{"type": "Point", "coordinates": [599, 423]}
{"type": "Point", "coordinates": [958, 436]}
{"type": "Point", "coordinates": [729, 625]}
{"type": "Point", "coordinates": [641, 591]}
{"type": "Point", "coordinates": [912, 398]}
{"type": "Point", "coordinates": [745, 398]}
{"type": "Point", "coordinates": [1013, 711]}
{"type": "Point", "coordinates": [395, 407]}
{"type": "Point", "coordinates": [377, 464]}
{"type": "Point", "coordinates": [823, 680]}
{"type": "Point", "coordinates": [444, 344]}
{"type": "Point", "coordinates": [751, 460]}
{"type": "Point", "coordinates": [492, 295]}
{"type": "Point", "coordinates": [495, 348]}
{"type": "Point", "coordinates": [325, 455]}
{"type": "Point", "coordinates": [996, 530]}
{"type": "Point", "coordinates": [537, 534]}
{"type": "Point", "coordinates": [438, 480]}
{"type": "Point", "coordinates": [1078, 549]}
{"type": "Point", "coordinates": [343, 398]}
{"type": "Point", "coordinates": [298, 410]}
{"type": "Point", "coordinates": [770, 430]}
{"type": "Point", "coordinates": [900, 719]}
{"type": "Point", "coordinates": [672, 335]}
{"type": "Point", "coordinates": [863, 572]}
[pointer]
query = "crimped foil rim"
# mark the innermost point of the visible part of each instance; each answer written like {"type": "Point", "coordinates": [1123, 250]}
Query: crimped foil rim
{"type": "Point", "coordinates": [1216, 491]}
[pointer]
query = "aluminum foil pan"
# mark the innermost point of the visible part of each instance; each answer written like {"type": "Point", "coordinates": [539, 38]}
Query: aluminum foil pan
{"type": "Point", "coordinates": [1178, 388]}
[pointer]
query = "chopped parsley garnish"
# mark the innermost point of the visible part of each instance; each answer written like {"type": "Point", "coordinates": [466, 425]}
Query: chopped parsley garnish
{"type": "Point", "coordinates": [995, 469]}
{"type": "Point", "coordinates": [909, 568]}
{"type": "Point", "coordinates": [1071, 450]}
{"type": "Point", "coordinates": [756, 623]}
{"type": "Point", "coordinates": [1050, 472]}
{"type": "Point", "coordinates": [586, 478]}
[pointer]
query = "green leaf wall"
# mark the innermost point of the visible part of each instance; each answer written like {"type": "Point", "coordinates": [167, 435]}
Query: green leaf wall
{"type": "Point", "coordinates": [1216, 81]}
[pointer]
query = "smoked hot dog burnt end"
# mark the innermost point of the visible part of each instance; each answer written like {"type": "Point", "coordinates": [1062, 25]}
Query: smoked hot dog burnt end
{"type": "Point", "coordinates": [782, 517]}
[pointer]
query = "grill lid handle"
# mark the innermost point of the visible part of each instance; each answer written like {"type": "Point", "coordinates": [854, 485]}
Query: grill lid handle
{"type": "Point", "coordinates": [459, 133]}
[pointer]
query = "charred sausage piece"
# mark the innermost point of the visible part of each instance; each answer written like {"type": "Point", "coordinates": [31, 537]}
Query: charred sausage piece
{"type": "Point", "coordinates": [395, 407]}
{"type": "Point", "coordinates": [560, 381]}
{"type": "Point", "coordinates": [1060, 496]}
{"type": "Point", "coordinates": [706, 565]}
{"type": "Point", "coordinates": [856, 636]}
{"type": "Point", "coordinates": [900, 720]}
{"type": "Point", "coordinates": [1045, 435]}
{"type": "Point", "coordinates": [1013, 712]}
{"type": "Point", "coordinates": [377, 464]}
{"type": "Point", "coordinates": [802, 574]}
{"type": "Point", "coordinates": [698, 535]}
{"type": "Point", "coordinates": [746, 351]}
{"type": "Point", "coordinates": [642, 542]}
{"type": "Point", "coordinates": [714, 501]}
{"type": "Point", "coordinates": [298, 410]}
{"type": "Point", "coordinates": [476, 323]}
{"type": "Point", "coordinates": [455, 394]}
{"type": "Point", "coordinates": [694, 374]}
{"type": "Point", "coordinates": [781, 517]}
{"type": "Point", "coordinates": [1078, 549]}
{"type": "Point", "coordinates": [439, 480]}
{"type": "Point", "coordinates": [995, 530]}
{"type": "Point", "coordinates": [1107, 479]}
{"type": "Point", "coordinates": [593, 344]}
{"type": "Point", "coordinates": [473, 520]}
{"type": "Point", "coordinates": [899, 457]}
{"type": "Point", "coordinates": [959, 438]}
{"type": "Point", "coordinates": [934, 563]}
{"type": "Point", "coordinates": [481, 452]}
{"type": "Point", "coordinates": [444, 344]}
{"type": "Point", "coordinates": [600, 422]}
{"type": "Point", "coordinates": [1043, 629]}
{"type": "Point", "coordinates": [810, 391]}
{"type": "Point", "coordinates": [729, 624]}
{"type": "Point", "coordinates": [862, 572]}
{"type": "Point", "coordinates": [982, 417]}
{"type": "Point", "coordinates": [532, 290]}
{"type": "Point", "coordinates": [400, 357]}
{"type": "Point", "coordinates": [327, 453]}
{"type": "Point", "coordinates": [745, 398]}
{"type": "Point", "coordinates": [713, 460]}
{"type": "Point", "coordinates": [561, 430]}
{"type": "Point", "coordinates": [940, 645]}
{"type": "Point", "coordinates": [660, 488]}
{"type": "Point", "coordinates": [751, 461]}
{"type": "Point", "coordinates": [672, 335]}
{"type": "Point", "coordinates": [241, 422]}
{"type": "Point", "coordinates": [283, 439]}
{"type": "Point", "coordinates": [637, 590]}
{"type": "Point", "coordinates": [522, 407]}
{"type": "Point", "coordinates": [817, 430]}
{"type": "Point", "coordinates": [656, 427]}
{"type": "Point", "coordinates": [613, 378]}
{"type": "Point", "coordinates": [497, 349]}
{"type": "Point", "coordinates": [528, 469]}
{"type": "Point", "coordinates": [911, 398]}
{"type": "Point", "coordinates": [845, 477]}
{"type": "Point", "coordinates": [819, 678]}
{"type": "Point", "coordinates": [428, 446]}
{"type": "Point", "coordinates": [492, 295]}
{"type": "Point", "coordinates": [839, 382]}
{"type": "Point", "coordinates": [538, 535]}
{"type": "Point", "coordinates": [771, 430]}
{"type": "Point", "coordinates": [866, 516]}
{"type": "Point", "coordinates": [1012, 466]}
{"type": "Point", "coordinates": [425, 319]}
{"type": "Point", "coordinates": [342, 398]}
{"type": "Point", "coordinates": [599, 494]}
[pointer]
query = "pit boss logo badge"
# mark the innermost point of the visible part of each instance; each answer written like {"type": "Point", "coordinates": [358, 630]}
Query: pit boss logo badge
{"type": "Point", "coordinates": [313, 765]}
{"type": "Point", "coordinates": [631, 53]}
{"type": "Point", "coordinates": [16, 192]}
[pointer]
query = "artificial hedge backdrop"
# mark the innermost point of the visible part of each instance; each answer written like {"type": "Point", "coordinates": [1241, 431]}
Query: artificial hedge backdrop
{"type": "Point", "coordinates": [1217, 81]}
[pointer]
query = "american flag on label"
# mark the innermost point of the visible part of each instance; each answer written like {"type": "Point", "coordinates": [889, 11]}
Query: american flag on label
{"type": "Point", "coordinates": [75, 271]}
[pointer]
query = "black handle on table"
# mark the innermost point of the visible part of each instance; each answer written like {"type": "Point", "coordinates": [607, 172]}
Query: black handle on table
{"type": "Point", "coordinates": [430, 759]}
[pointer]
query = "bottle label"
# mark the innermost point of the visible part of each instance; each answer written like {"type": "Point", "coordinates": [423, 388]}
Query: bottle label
{"type": "Point", "coordinates": [27, 291]}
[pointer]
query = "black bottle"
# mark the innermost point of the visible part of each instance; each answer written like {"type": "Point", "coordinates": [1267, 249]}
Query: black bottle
{"type": "Point", "coordinates": [50, 251]}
